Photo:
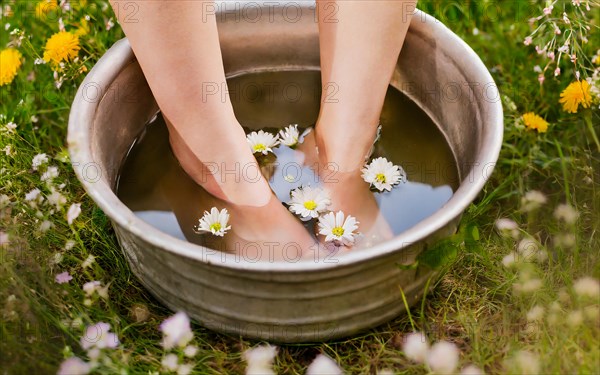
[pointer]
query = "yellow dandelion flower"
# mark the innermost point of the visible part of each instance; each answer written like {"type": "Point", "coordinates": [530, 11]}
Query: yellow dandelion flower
{"type": "Point", "coordinates": [62, 46]}
{"type": "Point", "coordinates": [10, 62]}
{"type": "Point", "coordinates": [578, 92]}
{"type": "Point", "coordinates": [533, 121]}
{"type": "Point", "coordinates": [83, 28]}
{"type": "Point", "coordinates": [44, 7]}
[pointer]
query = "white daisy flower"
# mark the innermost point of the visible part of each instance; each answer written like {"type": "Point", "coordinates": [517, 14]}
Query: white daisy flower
{"type": "Point", "coordinates": [290, 136]}
{"type": "Point", "coordinates": [260, 360]}
{"type": "Point", "coordinates": [176, 331]}
{"type": "Point", "coordinates": [322, 365]}
{"type": "Point", "coordinates": [443, 357]}
{"type": "Point", "coordinates": [336, 229]}
{"type": "Point", "coordinates": [262, 142]}
{"type": "Point", "coordinates": [382, 174]}
{"type": "Point", "coordinates": [415, 347]}
{"type": "Point", "coordinates": [73, 212]}
{"type": "Point", "coordinates": [214, 222]}
{"type": "Point", "coordinates": [308, 202]}
{"type": "Point", "coordinates": [38, 160]}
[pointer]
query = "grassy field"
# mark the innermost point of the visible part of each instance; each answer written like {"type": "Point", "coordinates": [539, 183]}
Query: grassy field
{"type": "Point", "coordinates": [539, 314]}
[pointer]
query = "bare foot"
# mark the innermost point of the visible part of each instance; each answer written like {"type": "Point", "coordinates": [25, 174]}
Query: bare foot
{"type": "Point", "coordinates": [262, 228]}
{"type": "Point", "coordinates": [222, 164]}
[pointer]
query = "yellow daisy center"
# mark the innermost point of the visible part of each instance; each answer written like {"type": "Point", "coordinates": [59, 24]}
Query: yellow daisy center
{"type": "Point", "coordinates": [215, 227]}
{"type": "Point", "coordinates": [380, 177]}
{"type": "Point", "coordinates": [259, 147]}
{"type": "Point", "coordinates": [310, 205]}
{"type": "Point", "coordinates": [338, 231]}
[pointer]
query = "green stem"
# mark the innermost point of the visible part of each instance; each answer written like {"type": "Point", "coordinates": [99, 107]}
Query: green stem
{"type": "Point", "coordinates": [588, 121]}
{"type": "Point", "coordinates": [564, 171]}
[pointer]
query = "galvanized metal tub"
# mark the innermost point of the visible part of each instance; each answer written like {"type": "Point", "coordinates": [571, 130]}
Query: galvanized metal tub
{"type": "Point", "coordinates": [296, 301]}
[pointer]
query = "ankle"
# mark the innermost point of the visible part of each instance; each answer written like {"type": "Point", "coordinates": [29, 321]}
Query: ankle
{"type": "Point", "coordinates": [222, 164]}
{"type": "Point", "coordinates": [344, 146]}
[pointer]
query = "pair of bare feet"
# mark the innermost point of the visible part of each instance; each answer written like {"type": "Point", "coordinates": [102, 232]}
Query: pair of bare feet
{"type": "Point", "coordinates": [263, 228]}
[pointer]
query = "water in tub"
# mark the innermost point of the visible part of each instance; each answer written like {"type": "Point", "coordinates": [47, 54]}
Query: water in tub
{"type": "Point", "coordinates": [155, 188]}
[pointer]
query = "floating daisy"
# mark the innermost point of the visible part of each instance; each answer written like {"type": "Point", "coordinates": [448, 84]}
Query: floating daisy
{"type": "Point", "coordinates": [308, 202]}
{"type": "Point", "coordinates": [214, 222]}
{"type": "Point", "coordinates": [338, 229]}
{"type": "Point", "coordinates": [290, 136]}
{"type": "Point", "coordinates": [262, 142]}
{"type": "Point", "coordinates": [382, 174]}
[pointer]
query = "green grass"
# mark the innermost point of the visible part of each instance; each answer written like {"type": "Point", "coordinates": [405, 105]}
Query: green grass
{"type": "Point", "coordinates": [472, 305]}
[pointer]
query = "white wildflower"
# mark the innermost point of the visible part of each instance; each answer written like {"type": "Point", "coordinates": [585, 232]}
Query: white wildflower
{"type": "Point", "coordinates": [290, 136]}
{"type": "Point", "coordinates": [566, 213]}
{"type": "Point", "coordinates": [56, 258]}
{"type": "Point", "coordinates": [92, 287]}
{"type": "Point", "coordinates": [323, 365]}
{"type": "Point", "coordinates": [575, 318]}
{"type": "Point", "coordinates": [74, 366]}
{"type": "Point", "coordinates": [4, 239]}
{"type": "Point", "coordinates": [508, 227]}
{"type": "Point", "coordinates": [45, 226]}
{"type": "Point", "coordinates": [214, 222]}
{"type": "Point", "coordinates": [528, 363]}
{"type": "Point", "coordinates": [39, 160]}
{"type": "Point", "coordinates": [587, 287]}
{"type": "Point", "coordinates": [4, 200]}
{"type": "Point", "coordinates": [69, 245]}
{"type": "Point", "coordinates": [63, 278]}
{"type": "Point", "coordinates": [383, 174]}
{"type": "Point", "coordinates": [170, 362]}
{"type": "Point", "coordinates": [50, 174]}
{"type": "Point", "coordinates": [260, 360]}
{"type": "Point", "coordinates": [185, 369]}
{"type": "Point", "coordinates": [8, 151]}
{"type": "Point", "coordinates": [338, 229]}
{"type": "Point", "coordinates": [532, 201]}
{"type": "Point", "coordinates": [73, 212]}
{"type": "Point", "coordinates": [529, 250]}
{"type": "Point", "coordinates": [528, 286]}
{"type": "Point", "coordinates": [56, 198]}
{"type": "Point", "coordinates": [176, 331]}
{"type": "Point", "coordinates": [33, 195]}
{"type": "Point", "coordinates": [471, 370]}
{"type": "Point", "coordinates": [536, 313]}
{"type": "Point", "coordinates": [510, 260]}
{"type": "Point", "coordinates": [88, 261]}
{"type": "Point", "coordinates": [262, 142]}
{"type": "Point", "coordinates": [415, 347]}
{"type": "Point", "coordinates": [99, 336]}
{"type": "Point", "coordinates": [308, 202]}
{"type": "Point", "coordinates": [565, 240]}
{"type": "Point", "coordinates": [190, 351]}
{"type": "Point", "coordinates": [443, 357]}
{"type": "Point", "coordinates": [11, 126]}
